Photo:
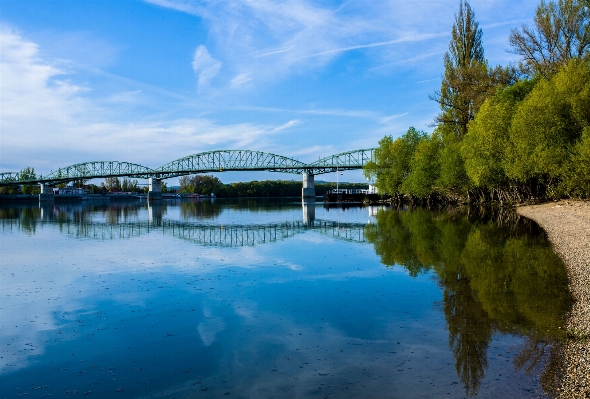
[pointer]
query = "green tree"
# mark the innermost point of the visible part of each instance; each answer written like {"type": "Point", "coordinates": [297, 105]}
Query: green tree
{"type": "Point", "coordinates": [392, 161]}
{"type": "Point", "coordinates": [80, 183]}
{"type": "Point", "coordinates": [561, 32]}
{"type": "Point", "coordinates": [466, 79]}
{"type": "Point", "coordinates": [9, 190]}
{"type": "Point", "coordinates": [547, 128]}
{"type": "Point", "coordinates": [111, 183]}
{"type": "Point", "coordinates": [577, 177]}
{"type": "Point", "coordinates": [28, 173]}
{"type": "Point", "coordinates": [200, 184]}
{"type": "Point", "coordinates": [484, 147]}
{"type": "Point", "coordinates": [130, 185]}
{"type": "Point", "coordinates": [453, 179]}
{"type": "Point", "coordinates": [424, 168]}
{"type": "Point", "coordinates": [467, 82]}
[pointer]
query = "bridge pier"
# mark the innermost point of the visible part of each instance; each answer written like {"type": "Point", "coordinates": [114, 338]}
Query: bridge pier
{"type": "Point", "coordinates": [308, 190]}
{"type": "Point", "coordinates": [46, 194]}
{"type": "Point", "coordinates": [155, 189]}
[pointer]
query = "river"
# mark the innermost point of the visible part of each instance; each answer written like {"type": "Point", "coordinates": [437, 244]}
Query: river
{"type": "Point", "coordinates": [276, 299]}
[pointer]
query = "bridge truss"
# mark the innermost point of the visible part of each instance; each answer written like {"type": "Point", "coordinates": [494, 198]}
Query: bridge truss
{"type": "Point", "coordinates": [205, 162]}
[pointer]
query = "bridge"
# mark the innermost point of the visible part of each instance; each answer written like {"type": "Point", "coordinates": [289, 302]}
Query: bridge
{"type": "Point", "coordinates": [204, 162]}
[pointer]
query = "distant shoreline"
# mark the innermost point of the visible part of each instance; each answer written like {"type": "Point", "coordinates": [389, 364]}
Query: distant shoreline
{"type": "Point", "coordinates": [567, 224]}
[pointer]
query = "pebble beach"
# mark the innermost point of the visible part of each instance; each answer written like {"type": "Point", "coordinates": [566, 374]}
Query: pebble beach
{"type": "Point", "coordinates": [567, 224]}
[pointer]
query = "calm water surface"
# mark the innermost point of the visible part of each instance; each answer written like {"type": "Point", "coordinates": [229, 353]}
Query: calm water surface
{"type": "Point", "coordinates": [275, 299]}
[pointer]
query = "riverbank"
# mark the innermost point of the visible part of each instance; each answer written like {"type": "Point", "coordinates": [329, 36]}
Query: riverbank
{"type": "Point", "coordinates": [567, 224]}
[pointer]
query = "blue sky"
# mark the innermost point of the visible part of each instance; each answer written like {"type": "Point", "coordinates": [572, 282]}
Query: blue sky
{"type": "Point", "coordinates": [152, 81]}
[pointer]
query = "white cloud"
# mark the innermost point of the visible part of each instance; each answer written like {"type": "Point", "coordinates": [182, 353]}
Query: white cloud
{"type": "Point", "coordinates": [47, 121]}
{"type": "Point", "coordinates": [287, 125]}
{"type": "Point", "coordinates": [241, 79]}
{"type": "Point", "coordinates": [205, 66]}
{"type": "Point", "coordinates": [30, 86]}
{"type": "Point", "coordinates": [267, 40]}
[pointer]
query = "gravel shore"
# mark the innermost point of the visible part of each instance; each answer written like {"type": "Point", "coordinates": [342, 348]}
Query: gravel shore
{"type": "Point", "coordinates": [567, 224]}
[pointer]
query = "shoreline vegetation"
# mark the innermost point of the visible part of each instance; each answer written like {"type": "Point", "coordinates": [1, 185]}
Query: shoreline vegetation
{"type": "Point", "coordinates": [567, 224]}
{"type": "Point", "coordinates": [200, 184]}
{"type": "Point", "coordinates": [513, 135]}
{"type": "Point", "coordinates": [505, 135]}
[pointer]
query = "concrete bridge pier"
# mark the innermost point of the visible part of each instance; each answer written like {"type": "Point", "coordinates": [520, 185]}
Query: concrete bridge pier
{"type": "Point", "coordinates": [308, 205]}
{"type": "Point", "coordinates": [46, 193]}
{"type": "Point", "coordinates": [308, 190]}
{"type": "Point", "coordinates": [155, 189]}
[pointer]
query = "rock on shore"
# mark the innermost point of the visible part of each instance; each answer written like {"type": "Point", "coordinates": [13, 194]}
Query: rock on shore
{"type": "Point", "coordinates": [567, 224]}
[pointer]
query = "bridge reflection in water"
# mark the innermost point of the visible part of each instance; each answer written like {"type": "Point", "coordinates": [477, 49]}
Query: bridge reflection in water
{"type": "Point", "coordinates": [204, 233]}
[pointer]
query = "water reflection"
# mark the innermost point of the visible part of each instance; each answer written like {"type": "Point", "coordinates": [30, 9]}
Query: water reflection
{"type": "Point", "coordinates": [308, 205]}
{"type": "Point", "coordinates": [121, 221]}
{"type": "Point", "coordinates": [192, 285]}
{"type": "Point", "coordinates": [195, 209]}
{"type": "Point", "coordinates": [498, 275]}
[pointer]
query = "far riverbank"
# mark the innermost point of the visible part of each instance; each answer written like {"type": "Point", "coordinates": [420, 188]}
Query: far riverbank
{"type": "Point", "coordinates": [567, 224]}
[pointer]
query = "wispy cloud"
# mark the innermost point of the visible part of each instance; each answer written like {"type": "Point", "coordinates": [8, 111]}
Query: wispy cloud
{"type": "Point", "coordinates": [241, 79]}
{"type": "Point", "coordinates": [41, 105]}
{"type": "Point", "coordinates": [349, 113]}
{"type": "Point", "coordinates": [287, 125]}
{"type": "Point", "coordinates": [205, 66]}
{"type": "Point", "coordinates": [406, 39]}
{"type": "Point", "coordinates": [266, 40]}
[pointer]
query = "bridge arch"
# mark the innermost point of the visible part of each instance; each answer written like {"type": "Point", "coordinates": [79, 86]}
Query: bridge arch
{"type": "Point", "coordinates": [230, 160]}
{"type": "Point", "coordinates": [343, 161]}
{"type": "Point", "coordinates": [97, 169]}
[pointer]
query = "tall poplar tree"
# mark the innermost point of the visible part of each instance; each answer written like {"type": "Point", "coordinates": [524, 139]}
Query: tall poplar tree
{"type": "Point", "coordinates": [467, 81]}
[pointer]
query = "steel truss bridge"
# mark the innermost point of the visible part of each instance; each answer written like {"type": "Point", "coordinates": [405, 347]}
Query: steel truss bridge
{"type": "Point", "coordinates": [205, 162]}
{"type": "Point", "coordinates": [203, 234]}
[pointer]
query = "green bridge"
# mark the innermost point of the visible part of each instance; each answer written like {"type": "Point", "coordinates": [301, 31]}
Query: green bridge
{"type": "Point", "coordinates": [205, 162]}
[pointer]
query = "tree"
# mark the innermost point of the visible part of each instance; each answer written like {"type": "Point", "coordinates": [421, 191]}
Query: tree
{"type": "Point", "coordinates": [561, 32]}
{"type": "Point", "coordinates": [111, 183]}
{"type": "Point", "coordinates": [129, 185]}
{"type": "Point", "coordinates": [80, 183]}
{"type": "Point", "coordinates": [200, 184]}
{"type": "Point", "coordinates": [453, 178]}
{"type": "Point", "coordinates": [577, 181]}
{"type": "Point", "coordinates": [465, 68]}
{"type": "Point", "coordinates": [28, 173]}
{"type": "Point", "coordinates": [424, 168]}
{"type": "Point", "coordinates": [392, 161]}
{"type": "Point", "coordinates": [484, 147]}
{"type": "Point", "coordinates": [467, 80]}
{"type": "Point", "coordinates": [547, 129]}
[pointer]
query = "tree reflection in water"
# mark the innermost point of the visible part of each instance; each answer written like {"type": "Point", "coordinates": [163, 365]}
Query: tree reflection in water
{"type": "Point", "coordinates": [195, 209]}
{"type": "Point", "coordinates": [498, 275]}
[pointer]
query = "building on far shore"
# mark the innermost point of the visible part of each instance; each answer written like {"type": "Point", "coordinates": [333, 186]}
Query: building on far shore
{"type": "Point", "coordinates": [70, 191]}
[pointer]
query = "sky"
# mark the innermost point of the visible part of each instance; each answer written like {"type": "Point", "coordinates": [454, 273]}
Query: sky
{"type": "Point", "coordinates": [152, 81]}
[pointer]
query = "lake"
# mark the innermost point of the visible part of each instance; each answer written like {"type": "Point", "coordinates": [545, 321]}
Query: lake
{"type": "Point", "coordinates": [276, 299]}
